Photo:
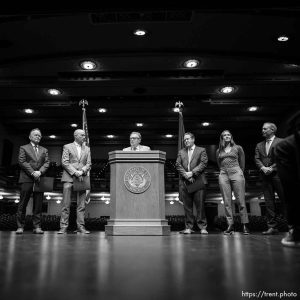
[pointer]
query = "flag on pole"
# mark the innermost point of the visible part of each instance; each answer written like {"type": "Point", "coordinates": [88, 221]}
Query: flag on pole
{"type": "Point", "coordinates": [181, 132]}
{"type": "Point", "coordinates": [87, 141]}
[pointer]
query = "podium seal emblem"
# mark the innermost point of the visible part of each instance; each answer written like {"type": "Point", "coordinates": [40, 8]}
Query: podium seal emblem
{"type": "Point", "coordinates": [137, 180]}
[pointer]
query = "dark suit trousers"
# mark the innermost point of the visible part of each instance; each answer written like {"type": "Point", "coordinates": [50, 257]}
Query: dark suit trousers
{"type": "Point", "coordinates": [26, 191]}
{"type": "Point", "coordinates": [198, 198]}
{"type": "Point", "coordinates": [272, 184]}
{"type": "Point", "coordinates": [288, 172]}
{"type": "Point", "coordinates": [64, 218]}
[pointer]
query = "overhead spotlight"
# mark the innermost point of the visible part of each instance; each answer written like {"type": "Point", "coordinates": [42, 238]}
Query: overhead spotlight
{"type": "Point", "coordinates": [48, 197]}
{"type": "Point", "coordinates": [88, 65]}
{"type": "Point", "coordinates": [172, 202]}
{"type": "Point", "coordinates": [227, 89]}
{"type": "Point", "coordinates": [1, 197]}
{"type": "Point", "coordinates": [28, 111]}
{"type": "Point", "coordinates": [205, 124]}
{"type": "Point", "coordinates": [139, 124]}
{"type": "Point", "coordinates": [52, 136]}
{"type": "Point", "coordinates": [110, 136]}
{"type": "Point", "coordinates": [54, 92]}
{"type": "Point", "coordinates": [283, 38]}
{"type": "Point", "coordinates": [222, 202]}
{"type": "Point", "coordinates": [102, 110]}
{"type": "Point", "coordinates": [169, 135]}
{"type": "Point", "coordinates": [106, 202]}
{"type": "Point", "coordinates": [74, 125]}
{"type": "Point", "coordinates": [191, 63]}
{"type": "Point", "coordinates": [17, 201]}
{"type": "Point", "coordinates": [140, 32]}
{"type": "Point", "coordinates": [58, 201]}
{"type": "Point", "coordinates": [252, 108]}
{"type": "Point", "coordinates": [176, 109]}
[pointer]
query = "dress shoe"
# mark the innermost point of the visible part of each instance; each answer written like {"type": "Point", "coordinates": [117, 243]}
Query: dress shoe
{"type": "Point", "coordinates": [292, 239]}
{"type": "Point", "coordinates": [83, 230]}
{"type": "Point", "coordinates": [270, 231]}
{"type": "Point", "coordinates": [203, 231]}
{"type": "Point", "coordinates": [19, 231]}
{"type": "Point", "coordinates": [62, 231]}
{"type": "Point", "coordinates": [186, 231]}
{"type": "Point", "coordinates": [245, 229]}
{"type": "Point", "coordinates": [229, 230]}
{"type": "Point", "coordinates": [38, 230]}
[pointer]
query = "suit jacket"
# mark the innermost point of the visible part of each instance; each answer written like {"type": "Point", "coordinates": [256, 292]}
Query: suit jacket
{"type": "Point", "coordinates": [139, 148]}
{"type": "Point", "coordinates": [72, 163]}
{"type": "Point", "coordinates": [197, 165]}
{"type": "Point", "coordinates": [29, 162]}
{"type": "Point", "coordinates": [261, 157]}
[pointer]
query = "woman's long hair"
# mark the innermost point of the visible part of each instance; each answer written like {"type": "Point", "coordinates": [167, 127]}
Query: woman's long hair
{"type": "Point", "coordinates": [222, 142]}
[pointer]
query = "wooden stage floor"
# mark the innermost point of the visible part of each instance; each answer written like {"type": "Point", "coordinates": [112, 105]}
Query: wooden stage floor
{"type": "Point", "coordinates": [55, 267]}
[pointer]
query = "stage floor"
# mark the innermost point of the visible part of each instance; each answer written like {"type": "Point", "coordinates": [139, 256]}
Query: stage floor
{"type": "Point", "coordinates": [94, 266]}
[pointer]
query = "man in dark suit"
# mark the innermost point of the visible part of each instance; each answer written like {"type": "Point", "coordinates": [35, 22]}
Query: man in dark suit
{"type": "Point", "coordinates": [34, 162]}
{"type": "Point", "coordinates": [76, 161]}
{"type": "Point", "coordinates": [287, 156]}
{"type": "Point", "coordinates": [191, 162]}
{"type": "Point", "coordinates": [265, 161]}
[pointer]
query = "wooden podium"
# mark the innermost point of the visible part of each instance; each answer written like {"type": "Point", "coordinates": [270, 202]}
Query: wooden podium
{"type": "Point", "coordinates": [137, 193]}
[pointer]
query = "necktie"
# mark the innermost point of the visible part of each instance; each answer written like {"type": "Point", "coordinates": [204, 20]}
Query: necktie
{"type": "Point", "coordinates": [189, 156]}
{"type": "Point", "coordinates": [36, 150]}
{"type": "Point", "coordinates": [268, 145]}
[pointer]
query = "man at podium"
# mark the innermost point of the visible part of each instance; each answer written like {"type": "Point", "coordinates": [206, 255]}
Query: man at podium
{"type": "Point", "coordinates": [135, 140]}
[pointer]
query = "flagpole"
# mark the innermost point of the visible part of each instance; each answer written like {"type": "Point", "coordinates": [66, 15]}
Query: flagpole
{"type": "Point", "coordinates": [83, 103]}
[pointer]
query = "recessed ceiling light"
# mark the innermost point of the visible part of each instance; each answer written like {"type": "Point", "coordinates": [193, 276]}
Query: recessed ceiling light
{"type": "Point", "coordinates": [1, 197]}
{"type": "Point", "coordinates": [28, 111]}
{"type": "Point", "coordinates": [283, 38]}
{"type": "Point", "coordinates": [52, 136]}
{"type": "Point", "coordinates": [139, 124]}
{"type": "Point", "coordinates": [102, 110]}
{"type": "Point", "coordinates": [140, 32]}
{"type": "Point", "coordinates": [191, 63]}
{"type": "Point", "coordinates": [54, 92]}
{"type": "Point", "coordinates": [110, 136]}
{"type": "Point", "coordinates": [252, 108]}
{"type": "Point", "coordinates": [88, 65]}
{"type": "Point", "coordinates": [171, 202]}
{"type": "Point", "coordinates": [169, 135]}
{"type": "Point", "coordinates": [227, 89]}
{"type": "Point", "coordinates": [48, 197]}
{"type": "Point", "coordinates": [106, 202]}
{"type": "Point", "coordinates": [176, 109]}
{"type": "Point", "coordinates": [58, 201]}
{"type": "Point", "coordinates": [17, 201]}
{"type": "Point", "coordinates": [205, 124]}
{"type": "Point", "coordinates": [74, 125]}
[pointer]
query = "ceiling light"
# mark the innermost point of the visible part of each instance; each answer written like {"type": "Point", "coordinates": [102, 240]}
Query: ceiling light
{"type": "Point", "coordinates": [28, 111]}
{"type": "Point", "coordinates": [191, 63]}
{"type": "Point", "coordinates": [1, 197]}
{"type": "Point", "coordinates": [102, 110]}
{"type": "Point", "coordinates": [176, 109]}
{"type": "Point", "coordinates": [106, 202]}
{"type": "Point", "coordinates": [17, 201]}
{"type": "Point", "coordinates": [227, 89]}
{"type": "Point", "coordinates": [205, 124]}
{"type": "Point", "coordinates": [52, 136]}
{"type": "Point", "coordinates": [252, 108]}
{"type": "Point", "coordinates": [74, 125]}
{"type": "Point", "coordinates": [169, 135]}
{"type": "Point", "coordinates": [110, 136]}
{"type": "Point", "coordinates": [139, 124]}
{"type": "Point", "coordinates": [88, 65]}
{"type": "Point", "coordinates": [140, 32]}
{"type": "Point", "coordinates": [58, 201]}
{"type": "Point", "coordinates": [48, 197]}
{"type": "Point", "coordinates": [54, 92]}
{"type": "Point", "coordinates": [283, 38]}
{"type": "Point", "coordinates": [172, 202]}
